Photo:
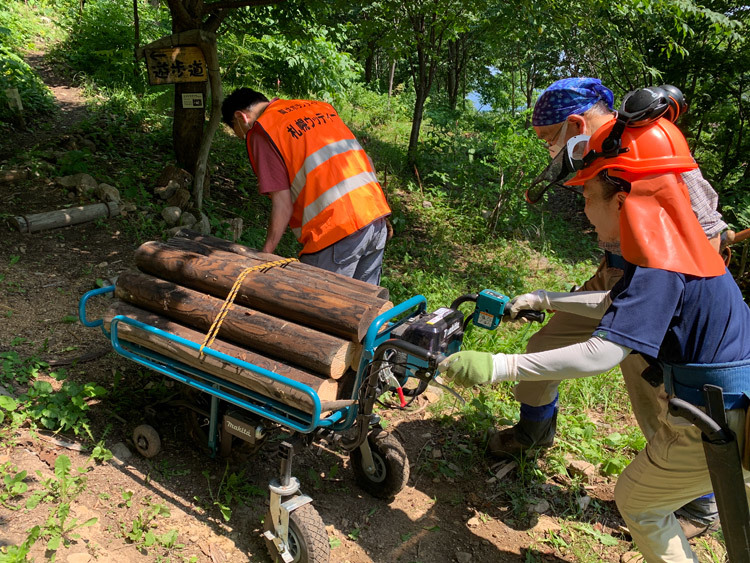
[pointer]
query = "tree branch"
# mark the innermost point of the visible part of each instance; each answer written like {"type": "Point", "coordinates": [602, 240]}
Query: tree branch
{"type": "Point", "coordinates": [179, 13]}
{"type": "Point", "coordinates": [213, 21]}
{"type": "Point", "coordinates": [228, 4]}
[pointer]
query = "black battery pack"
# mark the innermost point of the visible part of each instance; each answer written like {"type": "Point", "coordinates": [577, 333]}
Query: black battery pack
{"type": "Point", "coordinates": [439, 332]}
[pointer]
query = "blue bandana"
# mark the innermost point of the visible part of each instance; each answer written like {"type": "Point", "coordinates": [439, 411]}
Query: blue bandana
{"type": "Point", "coordinates": [569, 96]}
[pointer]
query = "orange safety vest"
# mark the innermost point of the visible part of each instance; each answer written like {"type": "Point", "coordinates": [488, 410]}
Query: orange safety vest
{"type": "Point", "coordinates": [334, 188]}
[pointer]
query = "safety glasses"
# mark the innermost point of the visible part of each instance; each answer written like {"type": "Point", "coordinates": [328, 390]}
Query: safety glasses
{"type": "Point", "coordinates": [563, 166]}
{"type": "Point", "coordinates": [554, 145]}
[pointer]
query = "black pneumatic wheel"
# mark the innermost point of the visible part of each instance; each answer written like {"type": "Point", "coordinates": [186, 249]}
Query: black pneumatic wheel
{"type": "Point", "coordinates": [146, 440]}
{"type": "Point", "coordinates": [308, 540]}
{"type": "Point", "coordinates": [391, 466]}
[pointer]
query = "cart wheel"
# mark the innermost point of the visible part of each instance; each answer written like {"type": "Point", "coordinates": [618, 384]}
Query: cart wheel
{"type": "Point", "coordinates": [146, 440]}
{"type": "Point", "coordinates": [308, 540]}
{"type": "Point", "coordinates": [391, 466]}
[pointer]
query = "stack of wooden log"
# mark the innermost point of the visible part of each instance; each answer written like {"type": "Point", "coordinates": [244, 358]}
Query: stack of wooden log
{"type": "Point", "coordinates": [298, 321]}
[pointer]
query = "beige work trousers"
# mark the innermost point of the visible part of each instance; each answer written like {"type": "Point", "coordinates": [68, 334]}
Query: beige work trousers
{"type": "Point", "coordinates": [565, 329]}
{"type": "Point", "coordinates": [670, 472]}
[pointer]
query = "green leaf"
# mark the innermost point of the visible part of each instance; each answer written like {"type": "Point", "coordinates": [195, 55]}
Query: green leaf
{"type": "Point", "coordinates": [62, 466]}
{"type": "Point", "coordinates": [8, 403]}
{"type": "Point", "coordinates": [54, 543]}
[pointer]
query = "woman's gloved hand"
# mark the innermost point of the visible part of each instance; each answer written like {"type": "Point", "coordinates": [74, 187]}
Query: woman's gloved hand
{"type": "Point", "coordinates": [471, 368]}
{"type": "Point", "coordinates": [536, 300]}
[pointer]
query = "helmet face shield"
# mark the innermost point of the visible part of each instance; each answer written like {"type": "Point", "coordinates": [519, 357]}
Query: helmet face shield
{"type": "Point", "coordinates": [567, 161]}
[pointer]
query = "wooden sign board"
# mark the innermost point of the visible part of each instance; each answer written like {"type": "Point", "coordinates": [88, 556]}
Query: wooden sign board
{"type": "Point", "coordinates": [184, 63]}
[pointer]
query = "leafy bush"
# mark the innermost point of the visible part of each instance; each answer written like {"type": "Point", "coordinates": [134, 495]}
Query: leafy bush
{"type": "Point", "coordinates": [16, 31]}
{"type": "Point", "coordinates": [101, 39]}
{"type": "Point", "coordinates": [300, 67]}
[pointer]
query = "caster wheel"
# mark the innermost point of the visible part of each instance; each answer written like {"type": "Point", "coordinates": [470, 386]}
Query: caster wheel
{"type": "Point", "coordinates": [308, 540]}
{"type": "Point", "coordinates": [391, 466]}
{"type": "Point", "coordinates": [146, 440]}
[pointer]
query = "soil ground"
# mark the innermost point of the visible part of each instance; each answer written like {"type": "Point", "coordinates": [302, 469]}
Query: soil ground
{"type": "Point", "coordinates": [448, 511]}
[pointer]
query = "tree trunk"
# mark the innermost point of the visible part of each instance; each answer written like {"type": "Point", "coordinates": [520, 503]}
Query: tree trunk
{"type": "Point", "coordinates": [187, 126]}
{"type": "Point", "coordinates": [271, 291]}
{"type": "Point", "coordinates": [390, 80]}
{"type": "Point", "coordinates": [453, 74]}
{"type": "Point", "coordinates": [337, 283]}
{"type": "Point", "coordinates": [370, 61]}
{"type": "Point", "coordinates": [416, 124]}
{"type": "Point", "coordinates": [317, 351]}
{"type": "Point", "coordinates": [326, 389]}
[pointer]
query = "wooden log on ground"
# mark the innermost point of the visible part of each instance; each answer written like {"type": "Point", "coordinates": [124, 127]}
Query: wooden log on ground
{"type": "Point", "coordinates": [311, 271]}
{"type": "Point", "coordinates": [270, 291]}
{"type": "Point", "coordinates": [64, 217]}
{"type": "Point", "coordinates": [326, 389]}
{"type": "Point", "coordinates": [321, 279]}
{"type": "Point", "coordinates": [298, 345]}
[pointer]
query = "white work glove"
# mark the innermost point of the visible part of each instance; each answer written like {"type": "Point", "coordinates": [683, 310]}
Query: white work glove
{"type": "Point", "coordinates": [536, 301]}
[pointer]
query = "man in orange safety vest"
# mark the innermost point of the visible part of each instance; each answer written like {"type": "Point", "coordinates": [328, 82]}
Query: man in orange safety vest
{"type": "Point", "coordinates": [320, 181]}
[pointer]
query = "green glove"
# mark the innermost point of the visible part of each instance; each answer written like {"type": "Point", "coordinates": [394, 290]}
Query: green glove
{"type": "Point", "coordinates": [468, 368]}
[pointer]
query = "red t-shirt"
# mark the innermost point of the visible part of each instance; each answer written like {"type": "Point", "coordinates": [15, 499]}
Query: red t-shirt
{"type": "Point", "coordinates": [270, 168]}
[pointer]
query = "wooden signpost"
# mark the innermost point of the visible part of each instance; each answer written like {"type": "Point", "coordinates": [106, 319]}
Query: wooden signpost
{"type": "Point", "coordinates": [182, 63]}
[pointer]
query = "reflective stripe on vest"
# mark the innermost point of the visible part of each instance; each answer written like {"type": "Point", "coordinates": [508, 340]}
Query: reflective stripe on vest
{"type": "Point", "coordinates": [334, 189]}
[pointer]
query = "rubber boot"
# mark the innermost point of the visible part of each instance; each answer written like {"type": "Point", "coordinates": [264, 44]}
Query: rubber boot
{"type": "Point", "coordinates": [535, 430]}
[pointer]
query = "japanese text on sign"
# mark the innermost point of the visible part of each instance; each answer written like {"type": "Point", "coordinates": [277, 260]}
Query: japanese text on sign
{"type": "Point", "coordinates": [176, 64]}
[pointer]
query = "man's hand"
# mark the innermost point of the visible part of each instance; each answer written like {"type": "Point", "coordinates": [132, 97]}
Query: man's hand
{"type": "Point", "coordinates": [468, 368]}
{"type": "Point", "coordinates": [536, 300]}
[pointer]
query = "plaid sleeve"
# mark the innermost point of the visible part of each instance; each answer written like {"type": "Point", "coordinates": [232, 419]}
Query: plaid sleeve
{"type": "Point", "coordinates": [704, 201]}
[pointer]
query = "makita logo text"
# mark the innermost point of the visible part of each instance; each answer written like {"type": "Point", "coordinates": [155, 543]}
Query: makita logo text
{"type": "Point", "coordinates": [241, 429]}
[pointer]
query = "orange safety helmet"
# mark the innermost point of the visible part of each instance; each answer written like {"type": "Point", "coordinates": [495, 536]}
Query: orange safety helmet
{"type": "Point", "coordinates": [658, 228]}
{"type": "Point", "coordinates": [658, 147]}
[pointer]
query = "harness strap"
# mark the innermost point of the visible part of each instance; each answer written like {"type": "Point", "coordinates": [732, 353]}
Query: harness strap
{"type": "Point", "coordinates": [686, 381]}
{"type": "Point", "coordinates": [614, 260]}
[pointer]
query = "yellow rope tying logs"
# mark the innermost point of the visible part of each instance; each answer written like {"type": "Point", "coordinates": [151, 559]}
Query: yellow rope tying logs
{"type": "Point", "coordinates": [229, 301]}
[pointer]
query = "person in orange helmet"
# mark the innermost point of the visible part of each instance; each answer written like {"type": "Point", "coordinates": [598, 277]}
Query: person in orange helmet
{"type": "Point", "coordinates": [676, 305]}
{"type": "Point", "coordinates": [567, 108]}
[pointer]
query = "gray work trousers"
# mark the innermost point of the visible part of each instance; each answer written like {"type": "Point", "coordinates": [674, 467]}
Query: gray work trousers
{"type": "Point", "coordinates": [358, 256]}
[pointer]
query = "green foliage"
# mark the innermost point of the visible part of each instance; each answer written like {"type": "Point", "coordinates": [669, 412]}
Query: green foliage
{"type": "Point", "coordinates": [15, 370]}
{"type": "Point", "coordinates": [233, 488]}
{"type": "Point", "coordinates": [60, 490]}
{"type": "Point", "coordinates": [19, 553]}
{"type": "Point", "coordinates": [300, 67]}
{"type": "Point", "coordinates": [16, 73]}
{"type": "Point", "coordinates": [64, 409]}
{"type": "Point", "coordinates": [13, 485]}
{"type": "Point", "coordinates": [19, 26]}
{"type": "Point", "coordinates": [61, 410]}
{"type": "Point", "coordinates": [141, 530]}
{"type": "Point", "coordinates": [101, 38]}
